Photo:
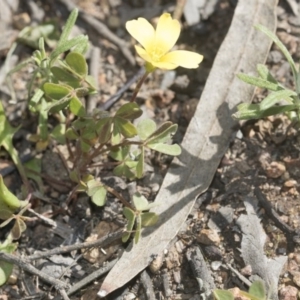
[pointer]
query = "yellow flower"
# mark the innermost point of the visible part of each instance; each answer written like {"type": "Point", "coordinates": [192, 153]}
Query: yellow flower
{"type": "Point", "coordinates": [158, 43]}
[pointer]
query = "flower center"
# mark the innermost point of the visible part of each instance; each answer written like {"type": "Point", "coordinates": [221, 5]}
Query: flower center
{"type": "Point", "coordinates": [156, 53]}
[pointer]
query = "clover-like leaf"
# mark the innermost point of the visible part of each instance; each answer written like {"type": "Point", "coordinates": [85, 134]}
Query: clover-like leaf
{"type": "Point", "coordinates": [163, 133]}
{"type": "Point", "coordinates": [127, 164]}
{"type": "Point", "coordinates": [76, 107]}
{"type": "Point", "coordinates": [124, 170]}
{"type": "Point", "coordinates": [103, 128]}
{"type": "Point", "coordinates": [145, 128]}
{"type": "Point", "coordinates": [77, 62]}
{"type": "Point", "coordinates": [140, 202]}
{"type": "Point", "coordinates": [173, 150]}
{"type": "Point", "coordinates": [129, 111]}
{"type": "Point", "coordinates": [149, 219]}
{"type": "Point", "coordinates": [120, 153]}
{"type": "Point", "coordinates": [71, 134]}
{"type": "Point", "coordinates": [124, 127]}
{"type": "Point", "coordinates": [58, 133]}
{"type": "Point", "coordinates": [97, 192]}
{"type": "Point", "coordinates": [84, 146]}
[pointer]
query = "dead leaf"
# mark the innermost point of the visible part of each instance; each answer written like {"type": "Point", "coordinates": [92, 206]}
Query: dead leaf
{"type": "Point", "coordinates": [252, 249]}
{"type": "Point", "coordinates": [207, 138]}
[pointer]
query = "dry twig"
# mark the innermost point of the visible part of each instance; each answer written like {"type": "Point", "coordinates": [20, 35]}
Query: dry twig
{"type": "Point", "coordinates": [104, 241]}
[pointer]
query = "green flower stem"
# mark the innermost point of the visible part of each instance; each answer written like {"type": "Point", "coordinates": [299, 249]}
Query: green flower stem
{"type": "Point", "coordinates": [138, 86]}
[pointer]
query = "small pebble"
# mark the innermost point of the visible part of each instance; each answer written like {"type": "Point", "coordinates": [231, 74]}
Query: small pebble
{"type": "Point", "coordinates": [290, 183]}
{"type": "Point", "coordinates": [247, 270]}
{"type": "Point", "coordinates": [275, 169]}
{"type": "Point", "coordinates": [296, 279]}
{"type": "Point", "coordinates": [288, 293]}
{"type": "Point", "coordinates": [215, 265]}
{"type": "Point", "coordinates": [208, 237]}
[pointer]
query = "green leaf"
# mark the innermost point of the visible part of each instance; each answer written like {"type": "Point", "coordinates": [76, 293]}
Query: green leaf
{"type": "Point", "coordinates": [71, 134]}
{"type": "Point", "coordinates": [259, 82]}
{"type": "Point", "coordinates": [35, 99]}
{"type": "Point", "coordinates": [84, 146]}
{"type": "Point", "coordinates": [223, 295]}
{"type": "Point", "coordinates": [76, 107]}
{"type": "Point", "coordinates": [124, 127]}
{"type": "Point", "coordinates": [145, 128]}
{"type": "Point", "coordinates": [99, 197]}
{"type": "Point", "coordinates": [82, 48]}
{"type": "Point", "coordinates": [280, 45]}
{"type": "Point", "coordinates": [67, 45]}
{"type": "Point", "coordinates": [129, 111]}
{"type": "Point", "coordinates": [77, 63]}
{"type": "Point", "coordinates": [56, 91]}
{"type": "Point", "coordinates": [103, 128]}
{"type": "Point", "coordinates": [96, 191]}
{"type": "Point", "coordinates": [258, 290]}
{"type": "Point", "coordinates": [58, 133]}
{"type": "Point", "coordinates": [6, 135]}
{"type": "Point", "coordinates": [130, 216]}
{"type": "Point", "coordinates": [68, 27]}
{"type": "Point", "coordinates": [8, 201]}
{"type": "Point", "coordinates": [265, 74]}
{"type": "Point", "coordinates": [33, 170]}
{"type": "Point", "coordinates": [120, 153]}
{"type": "Point", "coordinates": [140, 202]}
{"type": "Point", "coordinates": [276, 97]}
{"type": "Point", "coordinates": [91, 82]}
{"type": "Point", "coordinates": [163, 133]}
{"type": "Point", "coordinates": [149, 219]}
{"type": "Point", "coordinates": [63, 75]}
{"type": "Point", "coordinates": [252, 111]}
{"type": "Point", "coordinates": [59, 105]}
{"type": "Point", "coordinates": [138, 229]}
{"type": "Point", "coordinates": [123, 170]}
{"type": "Point", "coordinates": [173, 150]}
{"type": "Point", "coordinates": [140, 164]}
{"type": "Point", "coordinates": [5, 267]}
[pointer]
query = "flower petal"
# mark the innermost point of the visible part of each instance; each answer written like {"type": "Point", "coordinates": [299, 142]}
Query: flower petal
{"type": "Point", "coordinates": [182, 58]}
{"type": "Point", "coordinates": [164, 65]}
{"type": "Point", "coordinates": [142, 53]}
{"type": "Point", "coordinates": [142, 31]}
{"type": "Point", "coordinates": [167, 33]}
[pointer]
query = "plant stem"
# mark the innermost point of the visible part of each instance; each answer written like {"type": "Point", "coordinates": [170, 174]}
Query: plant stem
{"type": "Point", "coordinates": [119, 196]}
{"type": "Point", "coordinates": [138, 86]}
